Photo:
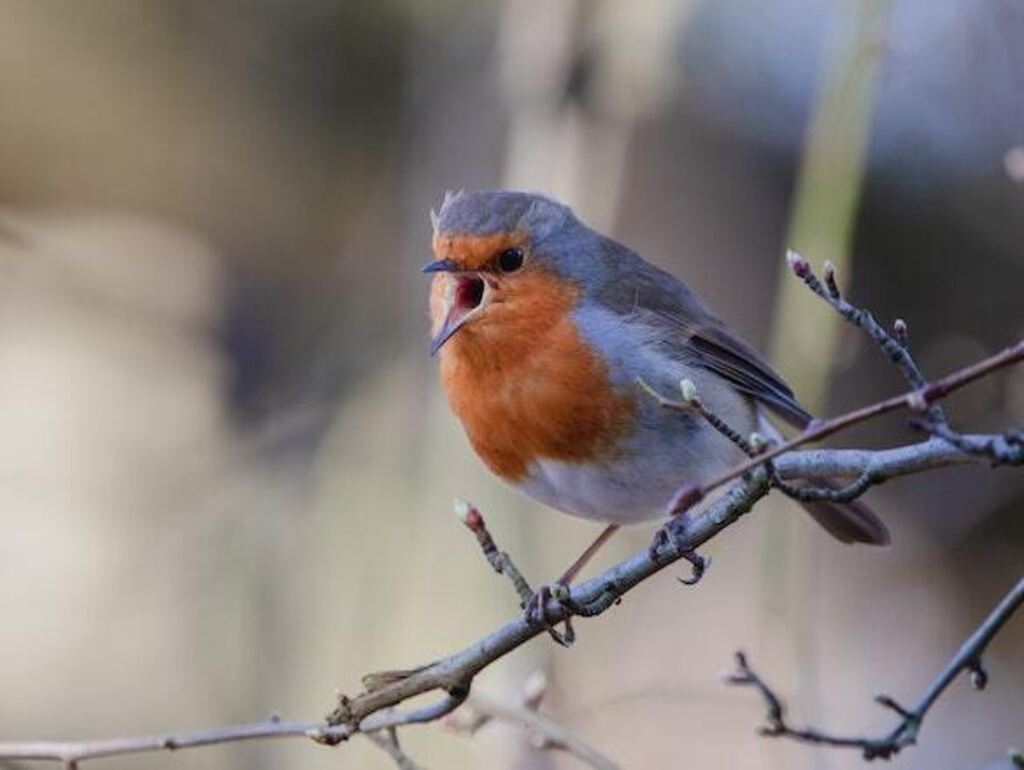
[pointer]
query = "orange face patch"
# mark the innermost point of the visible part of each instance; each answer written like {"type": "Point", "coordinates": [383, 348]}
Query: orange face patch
{"type": "Point", "coordinates": [475, 252]}
{"type": "Point", "coordinates": [523, 381]}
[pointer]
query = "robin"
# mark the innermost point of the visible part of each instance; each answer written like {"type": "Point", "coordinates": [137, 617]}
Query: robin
{"type": "Point", "coordinates": [544, 327]}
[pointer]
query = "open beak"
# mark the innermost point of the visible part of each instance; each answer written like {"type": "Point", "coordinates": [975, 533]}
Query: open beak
{"type": "Point", "coordinates": [441, 266]}
{"type": "Point", "coordinates": [465, 296]}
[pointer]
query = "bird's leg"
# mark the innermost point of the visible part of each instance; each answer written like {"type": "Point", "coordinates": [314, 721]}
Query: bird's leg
{"type": "Point", "coordinates": [574, 569]}
{"type": "Point", "coordinates": [534, 609]}
{"type": "Point", "coordinates": [672, 535]}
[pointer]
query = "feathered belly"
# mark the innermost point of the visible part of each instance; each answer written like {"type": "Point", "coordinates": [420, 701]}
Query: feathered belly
{"type": "Point", "coordinates": [636, 480]}
{"type": "Point", "coordinates": [637, 485]}
{"type": "Point", "coordinates": [595, 492]}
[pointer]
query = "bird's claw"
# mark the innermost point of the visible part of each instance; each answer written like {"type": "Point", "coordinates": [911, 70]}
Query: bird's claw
{"type": "Point", "coordinates": [672, 536]}
{"type": "Point", "coordinates": [698, 564]}
{"type": "Point", "coordinates": [535, 611]}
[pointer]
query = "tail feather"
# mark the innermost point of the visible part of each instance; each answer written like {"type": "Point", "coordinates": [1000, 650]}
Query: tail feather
{"type": "Point", "coordinates": [852, 522]}
{"type": "Point", "coordinates": [849, 522]}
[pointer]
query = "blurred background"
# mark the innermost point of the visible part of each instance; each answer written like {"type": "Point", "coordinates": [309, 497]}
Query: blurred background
{"type": "Point", "coordinates": [227, 470]}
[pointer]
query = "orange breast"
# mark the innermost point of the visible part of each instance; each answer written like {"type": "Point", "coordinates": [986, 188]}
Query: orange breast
{"type": "Point", "coordinates": [526, 385]}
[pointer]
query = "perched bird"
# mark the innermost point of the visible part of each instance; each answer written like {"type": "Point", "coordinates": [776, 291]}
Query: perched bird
{"type": "Point", "coordinates": [544, 327]}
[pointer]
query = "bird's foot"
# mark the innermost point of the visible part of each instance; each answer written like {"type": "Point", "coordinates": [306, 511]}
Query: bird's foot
{"type": "Point", "coordinates": [671, 537]}
{"type": "Point", "coordinates": [535, 610]}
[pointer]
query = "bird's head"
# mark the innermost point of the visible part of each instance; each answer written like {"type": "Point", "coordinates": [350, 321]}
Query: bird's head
{"type": "Point", "coordinates": [497, 268]}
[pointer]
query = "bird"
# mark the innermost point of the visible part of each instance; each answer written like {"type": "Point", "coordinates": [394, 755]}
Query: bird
{"type": "Point", "coordinates": [544, 327]}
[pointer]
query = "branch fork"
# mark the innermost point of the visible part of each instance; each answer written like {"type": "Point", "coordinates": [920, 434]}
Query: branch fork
{"type": "Point", "coordinates": [967, 660]}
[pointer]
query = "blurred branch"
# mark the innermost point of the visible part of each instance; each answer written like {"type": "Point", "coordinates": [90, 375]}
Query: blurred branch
{"type": "Point", "coordinates": [546, 732]}
{"type": "Point", "coordinates": [552, 735]}
{"type": "Point", "coordinates": [387, 740]}
{"type": "Point", "coordinates": [375, 708]}
{"type": "Point", "coordinates": [966, 660]}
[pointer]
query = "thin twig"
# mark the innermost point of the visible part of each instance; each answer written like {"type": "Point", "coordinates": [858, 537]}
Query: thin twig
{"type": "Point", "coordinates": [893, 344]}
{"type": "Point", "coordinates": [387, 740]}
{"type": "Point", "coordinates": [923, 398]}
{"type": "Point", "coordinates": [500, 560]}
{"type": "Point", "coordinates": [692, 402]}
{"type": "Point", "coordinates": [79, 751]}
{"type": "Point", "coordinates": [967, 660]}
{"type": "Point", "coordinates": [481, 710]}
{"type": "Point", "coordinates": [755, 445]}
{"type": "Point", "coordinates": [917, 400]}
{"type": "Point", "coordinates": [554, 734]}
{"type": "Point", "coordinates": [1004, 449]}
{"type": "Point", "coordinates": [502, 563]}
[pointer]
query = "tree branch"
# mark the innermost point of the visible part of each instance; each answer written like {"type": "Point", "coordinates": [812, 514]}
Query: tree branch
{"type": "Point", "coordinates": [1006, 449]}
{"type": "Point", "coordinates": [73, 752]}
{"type": "Point", "coordinates": [375, 708]}
{"type": "Point", "coordinates": [966, 660]}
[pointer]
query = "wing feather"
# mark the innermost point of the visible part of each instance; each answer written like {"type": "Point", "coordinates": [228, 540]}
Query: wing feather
{"type": "Point", "coordinates": [687, 328]}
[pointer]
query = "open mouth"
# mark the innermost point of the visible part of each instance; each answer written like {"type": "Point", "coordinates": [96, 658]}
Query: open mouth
{"type": "Point", "coordinates": [465, 299]}
{"type": "Point", "coordinates": [469, 293]}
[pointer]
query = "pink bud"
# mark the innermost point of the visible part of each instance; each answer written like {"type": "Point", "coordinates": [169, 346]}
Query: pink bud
{"type": "Point", "coordinates": [468, 514]}
{"type": "Point", "coordinates": [797, 264]}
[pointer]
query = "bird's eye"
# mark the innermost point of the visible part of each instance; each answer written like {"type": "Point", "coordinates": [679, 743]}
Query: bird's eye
{"type": "Point", "coordinates": [510, 260]}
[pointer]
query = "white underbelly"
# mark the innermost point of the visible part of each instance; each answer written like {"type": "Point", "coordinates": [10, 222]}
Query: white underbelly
{"type": "Point", "coordinates": [633, 490]}
{"type": "Point", "coordinates": [597, 492]}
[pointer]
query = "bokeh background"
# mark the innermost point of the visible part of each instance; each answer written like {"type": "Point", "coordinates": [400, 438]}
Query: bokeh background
{"type": "Point", "coordinates": [226, 469]}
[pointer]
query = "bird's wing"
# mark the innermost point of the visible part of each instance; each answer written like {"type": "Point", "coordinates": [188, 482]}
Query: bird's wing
{"type": "Point", "coordinates": [715, 347]}
{"type": "Point", "coordinates": [693, 334]}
